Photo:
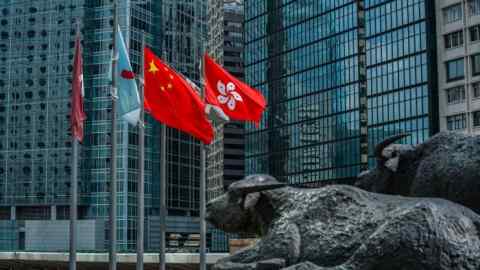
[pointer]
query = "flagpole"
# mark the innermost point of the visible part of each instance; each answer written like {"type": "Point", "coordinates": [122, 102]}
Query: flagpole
{"type": "Point", "coordinates": [163, 192]}
{"type": "Point", "coordinates": [141, 165]}
{"type": "Point", "coordinates": [73, 208]}
{"type": "Point", "coordinates": [73, 195]}
{"type": "Point", "coordinates": [113, 142]}
{"type": "Point", "coordinates": [163, 195]}
{"type": "Point", "coordinates": [203, 225]}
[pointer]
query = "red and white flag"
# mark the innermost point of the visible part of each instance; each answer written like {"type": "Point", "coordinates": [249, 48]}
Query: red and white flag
{"type": "Point", "coordinates": [77, 115]}
{"type": "Point", "coordinates": [238, 100]}
{"type": "Point", "coordinates": [172, 100]}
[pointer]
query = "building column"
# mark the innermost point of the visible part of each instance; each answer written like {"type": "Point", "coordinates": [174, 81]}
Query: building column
{"type": "Point", "coordinates": [13, 213]}
{"type": "Point", "coordinates": [53, 212]}
{"type": "Point", "coordinates": [362, 76]}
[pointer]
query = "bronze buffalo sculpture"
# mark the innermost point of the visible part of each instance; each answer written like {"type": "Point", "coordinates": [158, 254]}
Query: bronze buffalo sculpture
{"type": "Point", "coordinates": [445, 166]}
{"type": "Point", "coordinates": [343, 228]}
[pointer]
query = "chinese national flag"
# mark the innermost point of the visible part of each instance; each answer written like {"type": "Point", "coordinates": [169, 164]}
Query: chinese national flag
{"type": "Point", "coordinates": [172, 100]}
{"type": "Point", "coordinates": [238, 100]}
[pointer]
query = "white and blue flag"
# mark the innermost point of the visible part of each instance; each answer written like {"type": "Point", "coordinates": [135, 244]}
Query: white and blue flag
{"type": "Point", "coordinates": [128, 97]}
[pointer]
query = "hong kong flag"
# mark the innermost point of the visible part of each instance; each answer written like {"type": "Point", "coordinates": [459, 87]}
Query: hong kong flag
{"type": "Point", "coordinates": [238, 100]}
{"type": "Point", "coordinates": [171, 100]}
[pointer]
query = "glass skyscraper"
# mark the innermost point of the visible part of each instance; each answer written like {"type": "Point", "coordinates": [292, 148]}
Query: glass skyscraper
{"type": "Point", "coordinates": [304, 57]}
{"type": "Point", "coordinates": [401, 70]}
{"type": "Point", "coordinates": [333, 73]}
{"type": "Point", "coordinates": [36, 56]}
{"type": "Point", "coordinates": [134, 19]}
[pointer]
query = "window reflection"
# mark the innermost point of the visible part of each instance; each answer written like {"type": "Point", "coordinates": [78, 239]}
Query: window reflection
{"type": "Point", "coordinates": [314, 91]}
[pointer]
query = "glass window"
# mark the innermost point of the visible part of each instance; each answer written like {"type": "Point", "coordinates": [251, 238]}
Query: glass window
{"type": "Point", "coordinates": [452, 13]}
{"type": "Point", "coordinates": [453, 40]}
{"type": "Point", "coordinates": [456, 95]}
{"type": "Point", "coordinates": [476, 64]}
{"type": "Point", "coordinates": [474, 7]}
{"type": "Point", "coordinates": [456, 122]}
{"type": "Point", "coordinates": [474, 33]}
{"type": "Point", "coordinates": [476, 90]}
{"type": "Point", "coordinates": [476, 119]}
{"type": "Point", "coordinates": [455, 69]}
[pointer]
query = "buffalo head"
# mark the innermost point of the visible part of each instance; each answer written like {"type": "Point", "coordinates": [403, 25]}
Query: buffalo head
{"type": "Point", "coordinates": [389, 158]}
{"type": "Point", "coordinates": [235, 210]}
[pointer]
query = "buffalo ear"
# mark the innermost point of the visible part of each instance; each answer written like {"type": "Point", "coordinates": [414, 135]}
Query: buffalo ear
{"type": "Point", "coordinates": [255, 183]}
{"type": "Point", "coordinates": [363, 174]}
{"type": "Point", "coordinates": [251, 200]}
{"type": "Point", "coordinates": [392, 164]}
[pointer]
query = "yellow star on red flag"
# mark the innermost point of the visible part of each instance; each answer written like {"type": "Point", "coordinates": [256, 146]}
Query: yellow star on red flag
{"type": "Point", "coordinates": [170, 99]}
{"type": "Point", "coordinates": [153, 68]}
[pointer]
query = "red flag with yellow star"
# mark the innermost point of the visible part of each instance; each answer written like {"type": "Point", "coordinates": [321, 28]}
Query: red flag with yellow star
{"type": "Point", "coordinates": [172, 101]}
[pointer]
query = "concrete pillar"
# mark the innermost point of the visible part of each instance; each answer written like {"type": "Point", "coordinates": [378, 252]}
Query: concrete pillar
{"type": "Point", "coordinates": [13, 213]}
{"type": "Point", "coordinates": [53, 212]}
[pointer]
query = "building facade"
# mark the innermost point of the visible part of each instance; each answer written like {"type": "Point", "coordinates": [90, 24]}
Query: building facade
{"type": "Point", "coordinates": [36, 55]}
{"type": "Point", "coordinates": [215, 150]}
{"type": "Point", "coordinates": [304, 56]}
{"type": "Point", "coordinates": [225, 45]}
{"type": "Point", "coordinates": [234, 141]}
{"type": "Point", "coordinates": [334, 74]}
{"type": "Point", "coordinates": [401, 70]}
{"type": "Point", "coordinates": [95, 151]}
{"type": "Point", "coordinates": [226, 154]}
{"type": "Point", "coordinates": [458, 28]}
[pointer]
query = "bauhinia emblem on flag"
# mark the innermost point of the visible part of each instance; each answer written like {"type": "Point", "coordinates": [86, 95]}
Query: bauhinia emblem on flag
{"type": "Point", "coordinates": [128, 97]}
{"type": "Point", "coordinates": [228, 95]}
{"type": "Point", "coordinates": [238, 100]}
{"type": "Point", "coordinates": [214, 113]}
{"type": "Point", "coordinates": [172, 100]}
{"type": "Point", "coordinates": [77, 115]}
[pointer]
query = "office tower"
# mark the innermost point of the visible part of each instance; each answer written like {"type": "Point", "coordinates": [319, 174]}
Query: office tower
{"type": "Point", "coordinates": [458, 31]}
{"type": "Point", "coordinates": [325, 66]}
{"type": "Point", "coordinates": [36, 58]}
{"type": "Point", "coordinates": [304, 57]}
{"type": "Point", "coordinates": [39, 40]}
{"type": "Point", "coordinates": [401, 70]}
{"type": "Point", "coordinates": [36, 55]}
{"type": "Point", "coordinates": [233, 133]}
{"type": "Point", "coordinates": [215, 150]}
{"type": "Point", "coordinates": [95, 161]}
{"type": "Point", "coordinates": [184, 33]}
{"type": "Point", "coordinates": [225, 45]}
{"type": "Point", "coordinates": [226, 154]}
